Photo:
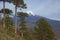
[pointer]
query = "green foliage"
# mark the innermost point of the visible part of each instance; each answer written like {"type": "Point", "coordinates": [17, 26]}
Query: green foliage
{"type": "Point", "coordinates": [19, 3]}
{"type": "Point", "coordinates": [6, 1]}
{"type": "Point", "coordinates": [6, 34]}
{"type": "Point", "coordinates": [43, 31]}
{"type": "Point", "coordinates": [8, 22]}
{"type": "Point", "coordinates": [22, 5]}
{"type": "Point", "coordinates": [23, 28]}
{"type": "Point", "coordinates": [22, 20]}
{"type": "Point", "coordinates": [22, 14]}
{"type": "Point", "coordinates": [7, 11]}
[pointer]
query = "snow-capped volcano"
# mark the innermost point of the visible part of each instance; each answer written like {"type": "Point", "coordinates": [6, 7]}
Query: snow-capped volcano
{"type": "Point", "coordinates": [30, 13]}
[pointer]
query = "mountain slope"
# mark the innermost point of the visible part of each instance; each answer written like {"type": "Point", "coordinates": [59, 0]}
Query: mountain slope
{"type": "Point", "coordinates": [32, 19]}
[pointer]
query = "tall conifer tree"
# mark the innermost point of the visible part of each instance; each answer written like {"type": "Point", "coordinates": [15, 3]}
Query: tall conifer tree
{"type": "Point", "coordinates": [43, 31]}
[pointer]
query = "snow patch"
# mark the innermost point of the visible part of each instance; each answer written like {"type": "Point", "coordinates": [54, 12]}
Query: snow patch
{"type": "Point", "coordinates": [30, 13]}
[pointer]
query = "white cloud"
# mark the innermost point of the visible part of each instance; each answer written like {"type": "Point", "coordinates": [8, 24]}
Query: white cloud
{"type": "Point", "coordinates": [50, 9]}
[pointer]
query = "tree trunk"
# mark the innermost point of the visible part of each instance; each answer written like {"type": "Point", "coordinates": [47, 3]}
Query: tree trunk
{"type": "Point", "coordinates": [4, 13]}
{"type": "Point", "coordinates": [15, 19]}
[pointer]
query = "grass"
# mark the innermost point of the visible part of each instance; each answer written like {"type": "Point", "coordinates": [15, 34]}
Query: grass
{"type": "Point", "coordinates": [8, 36]}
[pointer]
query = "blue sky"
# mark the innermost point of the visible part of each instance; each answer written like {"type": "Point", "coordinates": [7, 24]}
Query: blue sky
{"type": "Point", "coordinates": [46, 8]}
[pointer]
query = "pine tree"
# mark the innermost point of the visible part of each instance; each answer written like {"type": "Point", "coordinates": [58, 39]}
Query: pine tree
{"type": "Point", "coordinates": [4, 7]}
{"type": "Point", "coordinates": [7, 19]}
{"type": "Point", "coordinates": [7, 12]}
{"type": "Point", "coordinates": [8, 22]}
{"type": "Point", "coordinates": [23, 29]}
{"type": "Point", "coordinates": [18, 4]}
{"type": "Point", "coordinates": [43, 31]}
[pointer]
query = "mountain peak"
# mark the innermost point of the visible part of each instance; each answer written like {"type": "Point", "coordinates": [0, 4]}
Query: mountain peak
{"type": "Point", "coordinates": [30, 13]}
